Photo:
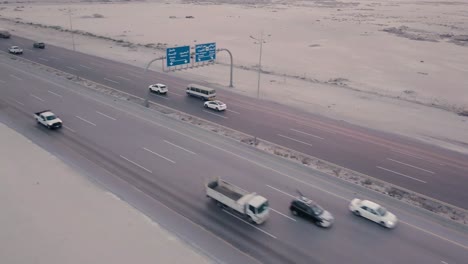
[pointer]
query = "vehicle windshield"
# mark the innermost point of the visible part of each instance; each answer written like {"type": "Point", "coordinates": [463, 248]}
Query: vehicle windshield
{"type": "Point", "coordinates": [51, 117]}
{"type": "Point", "coordinates": [262, 208]}
{"type": "Point", "coordinates": [316, 209]}
{"type": "Point", "coordinates": [381, 211]}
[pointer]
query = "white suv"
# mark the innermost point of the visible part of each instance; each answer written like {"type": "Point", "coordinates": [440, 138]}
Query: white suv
{"type": "Point", "coordinates": [15, 50]}
{"type": "Point", "coordinates": [216, 105]}
{"type": "Point", "coordinates": [158, 88]}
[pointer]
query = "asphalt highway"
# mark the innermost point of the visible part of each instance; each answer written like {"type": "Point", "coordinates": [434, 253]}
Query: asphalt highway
{"type": "Point", "coordinates": [426, 169]}
{"type": "Point", "coordinates": [169, 162]}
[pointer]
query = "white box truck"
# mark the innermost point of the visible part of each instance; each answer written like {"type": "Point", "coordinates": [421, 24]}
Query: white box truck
{"type": "Point", "coordinates": [250, 205]}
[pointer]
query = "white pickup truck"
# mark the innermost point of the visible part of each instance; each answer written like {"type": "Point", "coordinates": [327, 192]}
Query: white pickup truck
{"type": "Point", "coordinates": [250, 205]}
{"type": "Point", "coordinates": [48, 119]}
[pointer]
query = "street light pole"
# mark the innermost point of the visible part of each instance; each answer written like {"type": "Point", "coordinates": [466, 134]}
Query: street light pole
{"type": "Point", "coordinates": [260, 41]}
{"type": "Point", "coordinates": [259, 65]}
{"type": "Point", "coordinates": [71, 28]}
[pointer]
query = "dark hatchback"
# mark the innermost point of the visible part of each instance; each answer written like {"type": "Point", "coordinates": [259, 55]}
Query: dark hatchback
{"type": "Point", "coordinates": [302, 206]}
{"type": "Point", "coordinates": [39, 45]}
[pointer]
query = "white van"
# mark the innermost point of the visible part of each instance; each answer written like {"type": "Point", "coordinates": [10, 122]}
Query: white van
{"type": "Point", "coordinates": [202, 92]}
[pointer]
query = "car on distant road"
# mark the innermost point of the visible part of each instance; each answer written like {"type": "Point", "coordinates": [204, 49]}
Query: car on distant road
{"type": "Point", "coordinates": [4, 33]}
{"type": "Point", "coordinates": [373, 212]}
{"type": "Point", "coordinates": [158, 88]}
{"type": "Point", "coordinates": [216, 105]}
{"type": "Point", "coordinates": [39, 45]}
{"type": "Point", "coordinates": [15, 50]}
{"type": "Point", "coordinates": [302, 206]}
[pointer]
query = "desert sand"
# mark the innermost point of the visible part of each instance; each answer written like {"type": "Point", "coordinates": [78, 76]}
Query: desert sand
{"type": "Point", "coordinates": [399, 66]}
{"type": "Point", "coordinates": [59, 216]}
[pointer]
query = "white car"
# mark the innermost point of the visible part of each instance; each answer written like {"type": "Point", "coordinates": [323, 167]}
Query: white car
{"type": "Point", "coordinates": [373, 212]}
{"type": "Point", "coordinates": [216, 105]}
{"type": "Point", "coordinates": [15, 50]}
{"type": "Point", "coordinates": [158, 88]}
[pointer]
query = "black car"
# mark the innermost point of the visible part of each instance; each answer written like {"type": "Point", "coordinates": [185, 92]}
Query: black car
{"type": "Point", "coordinates": [39, 45]}
{"type": "Point", "coordinates": [302, 206]}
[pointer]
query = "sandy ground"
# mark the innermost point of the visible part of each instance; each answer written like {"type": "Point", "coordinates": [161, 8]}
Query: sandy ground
{"type": "Point", "coordinates": [58, 216]}
{"type": "Point", "coordinates": [365, 62]}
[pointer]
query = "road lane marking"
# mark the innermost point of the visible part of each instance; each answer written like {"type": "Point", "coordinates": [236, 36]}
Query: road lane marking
{"type": "Point", "coordinates": [21, 43]}
{"type": "Point", "coordinates": [52, 57]}
{"type": "Point", "coordinates": [441, 237]}
{"type": "Point", "coordinates": [86, 67]}
{"type": "Point", "coordinates": [414, 156]}
{"type": "Point", "coordinates": [298, 131]}
{"type": "Point", "coordinates": [16, 77]}
{"type": "Point", "coordinates": [214, 114]}
{"type": "Point", "coordinates": [85, 120]}
{"type": "Point", "coordinates": [96, 64]}
{"type": "Point", "coordinates": [283, 214]}
{"type": "Point", "coordinates": [161, 156]}
{"type": "Point", "coordinates": [259, 229]}
{"type": "Point", "coordinates": [232, 111]}
{"type": "Point", "coordinates": [236, 155]}
{"type": "Point", "coordinates": [136, 164]}
{"type": "Point", "coordinates": [160, 96]}
{"type": "Point", "coordinates": [42, 100]}
{"type": "Point", "coordinates": [71, 68]}
{"type": "Point", "coordinates": [29, 50]}
{"type": "Point", "coordinates": [18, 102]}
{"type": "Point", "coordinates": [134, 75]}
{"type": "Point", "coordinates": [180, 147]}
{"type": "Point", "coordinates": [443, 262]}
{"type": "Point", "coordinates": [56, 94]}
{"type": "Point", "coordinates": [401, 174]}
{"type": "Point", "coordinates": [295, 140]}
{"type": "Point", "coordinates": [177, 94]}
{"type": "Point", "coordinates": [111, 81]}
{"type": "Point", "coordinates": [411, 166]}
{"type": "Point", "coordinates": [69, 128]}
{"type": "Point", "coordinates": [106, 115]}
{"type": "Point", "coordinates": [283, 192]}
{"type": "Point", "coordinates": [123, 78]}
{"type": "Point", "coordinates": [42, 59]}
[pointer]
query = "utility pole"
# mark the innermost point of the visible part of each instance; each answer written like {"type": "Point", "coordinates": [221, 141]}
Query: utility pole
{"type": "Point", "coordinates": [260, 41]}
{"type": "Point", "coordinates": [71, 28]}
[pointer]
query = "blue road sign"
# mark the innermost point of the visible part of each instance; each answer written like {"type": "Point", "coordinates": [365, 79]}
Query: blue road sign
{"type": "Point", "coordinates": [205, 52]}
{"type": "Point", "coordinates": [177, 56]}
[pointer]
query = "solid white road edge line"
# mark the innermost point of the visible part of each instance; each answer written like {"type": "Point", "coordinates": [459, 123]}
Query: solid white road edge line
{"type": "Point", "coordinates": [43, 59]}
{"type": "Point", "coordinates": [261, 230]}
{"type": "Point", "coordinates": [71, 68]}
